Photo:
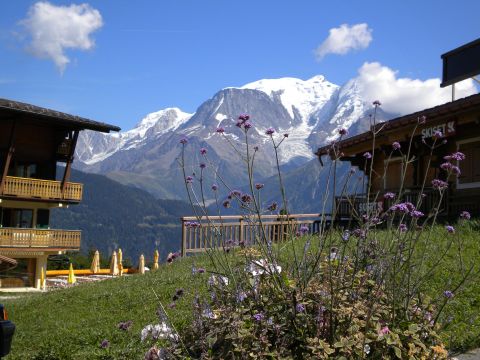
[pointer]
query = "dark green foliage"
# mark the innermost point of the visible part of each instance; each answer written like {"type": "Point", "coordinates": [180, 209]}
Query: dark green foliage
{"type": "Point", "coordinates": [114, 216]}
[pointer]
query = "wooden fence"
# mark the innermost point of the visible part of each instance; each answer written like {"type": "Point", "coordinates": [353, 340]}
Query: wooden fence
{"type": "Point", "coordinates": [41, 238]}
{"type": "Point", "coordinates": [42, 189]}
{"type": "Point", "coordinates": [201, 234]}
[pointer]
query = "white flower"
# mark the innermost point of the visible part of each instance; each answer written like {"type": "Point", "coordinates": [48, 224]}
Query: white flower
{"type": "Point", "coordinates": [158, 331]}
{"type": "Point", "coordinates": [216, 280]}
{"type": "Point", "coordinates": [259, 267]}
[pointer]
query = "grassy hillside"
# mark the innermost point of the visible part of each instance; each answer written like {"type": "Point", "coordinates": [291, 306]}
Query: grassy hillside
{"type": "Point", "coordinates": [71, 323]}
{"type": "Point", "coordinates": [113, 215]}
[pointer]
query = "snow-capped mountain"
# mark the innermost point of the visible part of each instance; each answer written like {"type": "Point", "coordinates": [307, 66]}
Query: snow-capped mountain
{"type": "Point", "coordinates": [94, 147]}
{"type": "Point", "coordinates": [309, 111]}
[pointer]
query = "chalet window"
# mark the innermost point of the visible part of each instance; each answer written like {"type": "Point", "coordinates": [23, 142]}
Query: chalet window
{"type": "Point", "coordinates": [470, 167]}
{"type": "Point", "coordinates": [394, 174]}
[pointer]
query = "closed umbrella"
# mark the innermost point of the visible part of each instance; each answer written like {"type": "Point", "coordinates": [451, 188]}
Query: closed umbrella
{"type": "Point", "coordinates": [42, 279]}
{"type": "Point", "coordinates": [155, 260]}
{"type": "Point", "coordinates": [141, 265]}
{"type": "Point", "coordinates": [95, 267]}
{"type": "Point", "coordinates": [71, 275]}
{"type": "Point", "coordinates": [120, 265]}
{"type": "Point", "coordinates": [114, 264]}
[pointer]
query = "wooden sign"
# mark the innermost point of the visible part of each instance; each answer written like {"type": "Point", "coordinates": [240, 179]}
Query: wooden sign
{"type": "Point", "coordinates": [447, 129]}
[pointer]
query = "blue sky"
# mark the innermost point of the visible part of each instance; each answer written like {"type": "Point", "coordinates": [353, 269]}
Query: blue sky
{"type": "Point", "coordinates": [142, 56]}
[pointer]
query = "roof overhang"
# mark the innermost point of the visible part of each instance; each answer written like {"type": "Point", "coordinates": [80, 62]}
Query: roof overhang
{"type": "Point", "coordinates": [432, 116]}
{"type": "Point", "coordinates": [12, 109]}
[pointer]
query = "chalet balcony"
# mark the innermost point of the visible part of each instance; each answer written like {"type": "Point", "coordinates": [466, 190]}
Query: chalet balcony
{"type": "Point", "coordinates": [352, 207]}
{"type": "Point", "coordinates": [37, 189]}
{"type": "Point", "coordinates": [40, 238]}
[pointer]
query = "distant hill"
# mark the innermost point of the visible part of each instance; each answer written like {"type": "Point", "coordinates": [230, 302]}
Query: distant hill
{"type": "Point", "coordinates": [113, 216]}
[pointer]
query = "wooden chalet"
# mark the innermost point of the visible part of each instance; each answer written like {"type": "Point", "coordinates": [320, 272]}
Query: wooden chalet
{"type": "Point", "coordinates": [33, 141]}
{"type": "Point", "coordinates": [458, 121]}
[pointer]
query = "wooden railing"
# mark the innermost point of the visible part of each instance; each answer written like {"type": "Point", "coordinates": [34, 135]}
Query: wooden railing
{"type": "Point", "coordinates": [42, 189]}
{"type": "Point", "coordinates": [201, 234]}
{"type": "Point", "coordinates": [39, 238]}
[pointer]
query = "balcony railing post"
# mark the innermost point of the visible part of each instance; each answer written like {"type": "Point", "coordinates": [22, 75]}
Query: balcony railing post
{"type": "Point", "coordinates": [184, 238]}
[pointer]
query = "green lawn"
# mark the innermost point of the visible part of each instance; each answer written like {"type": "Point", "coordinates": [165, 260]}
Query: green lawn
{"type": "Point", "coordinates": [71, 323]}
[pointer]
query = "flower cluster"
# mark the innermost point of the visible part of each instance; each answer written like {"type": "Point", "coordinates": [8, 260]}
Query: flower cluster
{"type": "Point", "coordinates": [192, 224]}
{"type": "Point", "coordinates": [465, 215]}
{"type": "Point", "coordinates": [396, 145]}
{"type": "Point", "coordinates": [158, 331]}
{"type": "Point", "coordinates": [125, 325]}
{"type": "Point", "coordinates": [243, 121]}
{"type": "Point", "coordinates": [407, 208]}
{"type": "Point", "coordinates": [439, 184]}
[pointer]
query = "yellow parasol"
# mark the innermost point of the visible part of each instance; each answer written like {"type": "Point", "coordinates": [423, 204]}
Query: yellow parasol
{"type": "Point", "coordinates": [120, 265]}
{"type": "Point", "coordinates": [155, 260]}
{"type": "Point", "coordinates": [95, 267]}
{"type": "Point", "coordinates": [114, 264]}
{"type": "Point", "coordinates": [71, 275]}
{"type": "Point", "coordinates": [141, 265]}
{"type": "Point", "coordinates": [42, 279]}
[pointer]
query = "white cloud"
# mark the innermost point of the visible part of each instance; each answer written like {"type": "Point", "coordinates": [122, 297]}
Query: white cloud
{"type": "Point", "coordinates": [345, 38]}
{"type": "Point", "coordinates": [404, 95]}
{"type": "Point", "coordinates": [53, 29]}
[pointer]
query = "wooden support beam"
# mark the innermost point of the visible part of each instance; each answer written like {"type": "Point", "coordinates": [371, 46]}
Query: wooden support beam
{"type": "Point", "coordinates": [68, 167]}
{"type": "Point", "coordinates": [8, 159]}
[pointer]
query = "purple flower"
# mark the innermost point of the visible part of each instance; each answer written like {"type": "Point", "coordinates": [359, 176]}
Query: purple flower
{"type": "Point", "coordinates": [244, 117]}
{"type": "Point", "coordinates": [384, 330]}
{"type": "Point", "coordinates": [367, 155]}
{"type": "Point", "coordinates": [255, 148]}
{"type": "Point", "coordinates": [241, 296]}
{"type": "Point", "coordinates": [183, 141]}
{"type": "Point", "coordinates": [343, 131]}
{"type": "Point", "coordinates": [376, 103]}
{"type": "Point", "coordinates": [258, 316]}
{"type": "Point", "coordinates": [352, 170]}
{"type": "Point", "coordinates": [192, 224]}
{"type": "Point", "coordinates": [446, 166]}
{"type": "Point", "coordinates": [303, 230]}
{"type": "Point", "coordinates": [179, 292]}
{"type": "Point", "coordinates": [437, 134]}
{"type": "Point", "coordinates": [456, 156]}
{"type": "Point", "coordinates": [389, 195]}
{"type": "Point", "coordinates": [189, 179]}
{"type": "Point", "coordinates": [226, 204]}
{"type": "Point", "coordinates": [360, 233]}
{"type": "Point", "coordinates": [220, 130]}
{"type": "Point", "coordinates": [246, 198]}
{"type": "Point", "coordinates": [270, 131]}
{"type": "Point", "coordinates": [465, 215]}
{"type": "Point", "coordinates": [258, 186]}
{"type": "Point", "coordinates": [450, 229]}
{"type": "Point", "coordinates": [448, 294]}
{"type": "Point", "coordinates": [203, 151]}
{"type": "Point", "coordinates": [200, 270]}
{"type": "Point", "coordinates": [272, 206]}
{"type": "Point", "coordinates": [105, 344]}
{"type": "Point", "coordinates": [422, 119]}
{"type": "Point", "coordinates": [439, 184]}
{"type": "Point", "coordinates": [202, 166]}
{"type": "Point", "coordinates": [346, 235]}
{"type": "Point", "coordinates": [247, 125]}
{"type": "Point", "coordinates": [172, 305]}
{"type": "Point", "coordinates": [214, 187]}
{"type": "Point", "coordinates": [285, 135]}
{"type": "Point", "coordinates": [300, 308]}
{"type": "Point", "coordinates": [402, 228]}
{"type": "Point", "coordinates": [402, 207]}
{"type": "Point", "coordinates": [396, 145]}
{"type": "Point", "coordinates": [456, 170]}
{"type": "Point", "coordinates": [239, 124]}
{"type": "Point", "coordinates": [416, 214]}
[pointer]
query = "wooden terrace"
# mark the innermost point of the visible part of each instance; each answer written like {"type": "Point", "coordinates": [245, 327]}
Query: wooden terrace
{"type": "Point", "coordinates": [40, 238]}
{"type": "Point", "coordinates": [37, 189]}
{"type": "Point", "coordinates": [201, 234]}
